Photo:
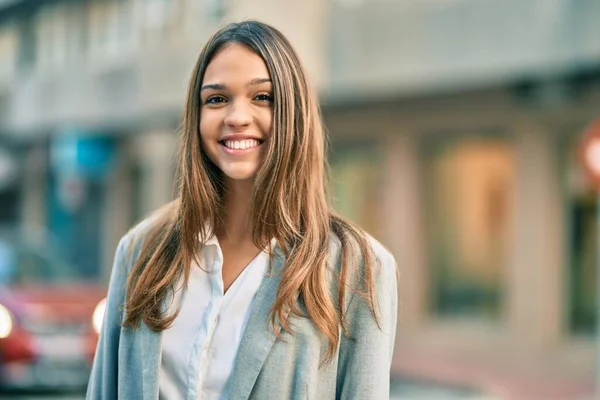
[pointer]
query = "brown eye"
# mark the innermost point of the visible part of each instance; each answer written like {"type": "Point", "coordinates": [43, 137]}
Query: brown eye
{"type": "Point", "coordinates": [264, 97]}
{"type": "Point", "coordinates": [215, 100]}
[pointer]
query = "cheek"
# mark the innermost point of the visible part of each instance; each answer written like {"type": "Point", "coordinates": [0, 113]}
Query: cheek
{"type": "Point", "coordinates": [209, 131]}
{"type": "Point", "coordinates": [205, 128]}
{"type": "Point", "coordinates": [266, 122]}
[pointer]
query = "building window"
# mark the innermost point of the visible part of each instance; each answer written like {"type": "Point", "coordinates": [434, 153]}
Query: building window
{"type": "Point", "coordinates": [470, 218]}
{"type": "Point", "coordinates": [138, 176]}
{"type": "Point", "coordinates": [582, 236]}
{"type": "Point", "coordinates": [112, 28]}
{"type": "Point", "coordinates": [216, 10]}
{"type": "Point", "coordinates": [161, 18]}
{"type": "Point", "coordinates": [355, 184]}
{"type": "Point", "coordinates": [51, 38]}
{"type": "Point", "coordinates": [8, 52]}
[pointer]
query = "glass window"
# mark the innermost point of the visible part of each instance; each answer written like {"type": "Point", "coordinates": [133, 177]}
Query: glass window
{"type": "Point", "coordinates": [582, 236]}
{"type": "Point", "coordinates": [216, 9]}
{"type": "Point", "coordinates": [111, 28]}
{"type": "Point", "coordinates": [470, 184]}
{"type": "Point", "coordinates": [355, 183]}
{"type": "Point", "coordinates": [138, 176]}
{"type": "Point", "coordinates": [51, 38]}
{"type": "Point", "coordinates": [161, 18]}
{"type": "Point", "coordinates": [8, 52]}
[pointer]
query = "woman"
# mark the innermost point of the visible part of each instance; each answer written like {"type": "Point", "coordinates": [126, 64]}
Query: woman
{"type": "Point", "coordinates": [248, 285]}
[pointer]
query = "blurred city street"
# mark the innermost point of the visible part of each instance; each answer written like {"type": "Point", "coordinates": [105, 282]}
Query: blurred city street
{"type": "Point", "coordinates": [456, 132]}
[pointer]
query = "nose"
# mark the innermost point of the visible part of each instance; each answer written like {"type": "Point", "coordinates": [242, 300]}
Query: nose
{"type": "Point", "coordinates": [238, 114]}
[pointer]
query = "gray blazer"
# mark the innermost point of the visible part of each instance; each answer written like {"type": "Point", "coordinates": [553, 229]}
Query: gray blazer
{"type": "Point", "coordinates": [127, 361]}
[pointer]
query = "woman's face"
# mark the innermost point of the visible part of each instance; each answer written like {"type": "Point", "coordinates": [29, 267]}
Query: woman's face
{"type": "Point", "coordinates": [236, 111]}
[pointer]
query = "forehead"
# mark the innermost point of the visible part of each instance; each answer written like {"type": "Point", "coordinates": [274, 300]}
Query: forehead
{"type": "Point", "coordinates": [235, 62]}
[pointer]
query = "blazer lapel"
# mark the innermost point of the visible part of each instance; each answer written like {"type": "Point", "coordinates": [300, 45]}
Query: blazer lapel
{"type": "Point", "coordinates": [151, 349]}
{"type": "Point", "coordinates": [258, 336]}
{"type": "Point", "coordinates": [150, 343]}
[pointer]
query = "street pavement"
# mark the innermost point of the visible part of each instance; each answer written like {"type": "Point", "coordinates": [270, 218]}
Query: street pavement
{"type": "Point", "coordinates": [53, 396]}
{"type": "Point", "coordinates": [403, 391]}
{"type": "Point", "coordinates": [81, 397]}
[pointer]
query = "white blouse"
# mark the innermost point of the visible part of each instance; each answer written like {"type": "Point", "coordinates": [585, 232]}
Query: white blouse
{"type": "Point", "coordinates": [199, 349]}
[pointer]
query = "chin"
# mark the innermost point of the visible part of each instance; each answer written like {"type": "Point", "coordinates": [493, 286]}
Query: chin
{"type": "Point", "coordinates": [240, 174]}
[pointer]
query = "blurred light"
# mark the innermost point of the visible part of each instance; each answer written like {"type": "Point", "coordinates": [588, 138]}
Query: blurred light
{"type": "Point", "coordinates": [98, 316]}
{"type": "Point", "coordinates": [6, 323]}
{"type": "Point", "coordinates": [592, 156]}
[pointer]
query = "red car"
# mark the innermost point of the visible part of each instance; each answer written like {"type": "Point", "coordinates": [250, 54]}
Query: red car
{"type": "Point", "coordinates": [49, 319]}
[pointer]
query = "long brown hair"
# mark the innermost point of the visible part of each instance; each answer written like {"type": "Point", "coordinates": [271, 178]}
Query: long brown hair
{"type": "Point", "coordinates": [289, 203]}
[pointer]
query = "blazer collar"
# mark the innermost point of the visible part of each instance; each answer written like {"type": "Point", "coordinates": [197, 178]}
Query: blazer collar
{"type": "Point", "coordinates": [257, 340]}
{"type": "Point", "coordinates": [258, 337]}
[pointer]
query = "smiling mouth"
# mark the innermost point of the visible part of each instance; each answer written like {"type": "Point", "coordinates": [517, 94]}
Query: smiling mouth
{"type": "Point", "coordinates": [245, 144]}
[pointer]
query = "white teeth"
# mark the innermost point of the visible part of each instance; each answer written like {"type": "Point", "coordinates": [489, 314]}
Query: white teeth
{"type": "Point", "coordinates": [241, 144]}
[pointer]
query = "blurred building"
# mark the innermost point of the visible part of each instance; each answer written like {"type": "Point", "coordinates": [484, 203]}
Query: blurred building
{"type": "Point", "coordinates": [454, 130]}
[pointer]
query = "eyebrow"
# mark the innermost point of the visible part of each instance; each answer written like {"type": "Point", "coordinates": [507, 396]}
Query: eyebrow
{"type": "Point", "coordinates": [214, 86]}
{"type": "Point", "coordinates": [258, 81]}
{"type": "Point", "coordinates": [219, 86]}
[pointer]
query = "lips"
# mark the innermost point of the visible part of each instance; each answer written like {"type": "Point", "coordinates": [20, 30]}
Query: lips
{"type": "Point", "coordinates": [238, 144]}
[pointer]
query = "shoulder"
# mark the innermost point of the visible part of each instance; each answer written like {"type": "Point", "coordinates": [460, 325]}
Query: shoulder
{"type": "Point", "coordinates": [381, 253]}
{"type": "Point", "coordinates": [370, 288]}
{"type": "Point", "coordinates": [131, 243]}
{"type": "Point", "coordinates": [382, 256]}
{"type": "Point", "coordinates": [139, 232]}
{"type": "Point", "coordinates": [384, 269]}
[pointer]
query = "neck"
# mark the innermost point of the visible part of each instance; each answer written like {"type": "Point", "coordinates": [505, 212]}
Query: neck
{"type": "Point", "coordinates": [237, 228]}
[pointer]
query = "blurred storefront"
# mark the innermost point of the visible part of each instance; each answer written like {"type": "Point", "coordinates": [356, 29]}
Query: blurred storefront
{"type": "Point", "coordinates": [493, 226]}
{"type": "Point", "coordinates": [80, 163]}
{"type": "Point", "coordinates": [86, 188]}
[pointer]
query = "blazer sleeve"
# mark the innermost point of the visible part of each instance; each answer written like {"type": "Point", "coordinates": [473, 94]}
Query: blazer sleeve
{"type": "Point", "coordinates": [365, 354]}
{"type": "Point", "coordinates": [102, 384]}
